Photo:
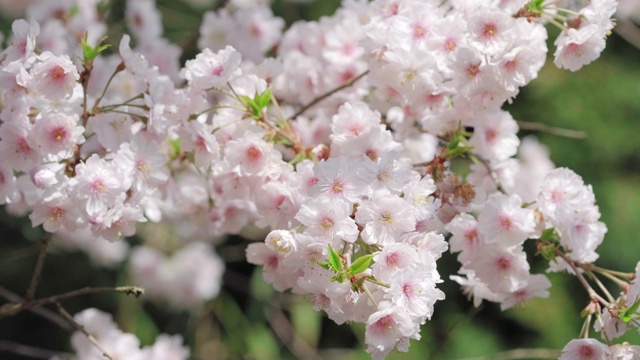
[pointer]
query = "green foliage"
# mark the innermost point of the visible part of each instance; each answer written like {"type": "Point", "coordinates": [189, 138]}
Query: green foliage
{"type": "Point", "coordinates": [91, 52]}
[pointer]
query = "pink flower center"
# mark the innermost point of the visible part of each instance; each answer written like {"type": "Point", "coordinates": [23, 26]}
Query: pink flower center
{"type": "Point", "coordinates": [473, 71]}
{"type": "Point", "coordinates": [505, 222]}
{"type": "Point", "coordinates": [386, 217]}
{"type": "Point", "coordinates": [142, 166]}
{"type": "Point", "coordinates": [419, 31]}
{"type": "Point", "coordinates": [325, 224]}
{"type": "Point", "coordinates": [312, 181]}
{"type": "Point", "coordinates": [97, 186]}
{"type": "Point", "coordinates": [586, 352]}
{"type": "Point", "coordinates": [393, 260]}
{"type": "Point", "coordinates": [58, 134]}
{"type": "Point", "coordinates": [556, 196]}
{"type": "Point", "coordinates": [489, 30]}
{"type": "Point", "coordinates": [407, 290]}
{"type": "Point", "coordinates": [450, 45]}
{"type": "Point", "coordinates": [471, 236]}
{"type": "Point", "coordinates": [56, 214]}
{"type": "Point", "coordinates": [490, 135]}
{"type": "Point", "coordinates": [271, 262]}
{"type": "Point", "coordinates": [337, 187]}
{"type": "Point", "coordinates": [503, 264]}
{"type": "Point", "coordinates": [256, 30]}
{"type": "Point", "coordinates": [57, 72]}
{"type": "Point", "coordinates": [217, 70]}
{"type": "Point", "coordinates": [253, 153]}
{"type": "Point", "coordinates": [372, 154]}
{"type": "Point", "coordinates": [23, 146]}
{"type": "Point", "coordinates": [384, 324]}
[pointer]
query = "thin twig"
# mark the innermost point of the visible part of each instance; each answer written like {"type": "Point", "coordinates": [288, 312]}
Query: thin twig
{"type": "Point", "coordinates": [118, 69]}
{"type": "Point", "coordinates": [283, 329]}
{"type": "Point", "coordinates": [80, 328]}
{"type": "Point", "coordinates": [45, 313]}
{"type": "Point", "coordinates": [536, 126]}
{"type": "Point", "coordinates": [29, 351]}
{"type": "Point", "coordinates": [602, 287]}
{"type": "Point", "coordinates": [37, 272]}
{"type": "Point", "coordinates": [327, 94]}
{"type": "Point", "coordinates": [628, 31]}
{"type": "Point", "coordinates": [592, 293]}
{"type": "Point", "coordinates": [12, 309]}
{"type": "Point", "coordinates": [521, 354]}
{"type": "Point", "coordinates": [492, 173]}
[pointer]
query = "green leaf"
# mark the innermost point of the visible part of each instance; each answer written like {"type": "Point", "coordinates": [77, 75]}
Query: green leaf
{"type": "Point", "coordinates": [360, 264]}
{"type": "Point", "coordinates": [264, 99]}
{"type": "Point", "coordinates": [334, 259]}
{"type": "Point", "coordinates": [548, 252]}
{"type": "Point", "coordinates": [324, 265]}
{"type": "Point", "coordinates": [626, 313]}
{"type": "Point", "coordinates": [549, 235]}
{"type": "Point", "coordinates": [89, 51]}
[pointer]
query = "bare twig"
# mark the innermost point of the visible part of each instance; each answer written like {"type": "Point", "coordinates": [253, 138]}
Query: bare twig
{"type": "Point", "coordinates": [521, 354]}
{"type": "Point", "coordinates": [283, 329]}
{"type": "Point", "coordinates": [592, 293]}
{"type": "Point", "coordinates": [12, 309]}
{"type": "Point", "coordinates": [45, 313]}
{"type": "Point", "coordinates": [536, 126]}
{"type": "Point", "coordinates": [492, 173]}
{"type": "Point", "coordinates": [80, 328]}
{"type": "Point", "coordinates": [328, 93]}
{"type": "Point", "coordinates": [29, 351]}
{"type": "Point", "coordinates": [628, 31]}
{"type": "Point", "coordinates": [35, 278]}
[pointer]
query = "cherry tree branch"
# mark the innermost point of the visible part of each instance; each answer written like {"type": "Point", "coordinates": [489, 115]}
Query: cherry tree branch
{"type": "Point", "coordinates": [14, 308]}
{"type": "Point", "coordinates": [43, 312]}
{"type": "Point", "coordinates": [37, 272]}
{"type": "Point", "coordinates": [592, 293]}
{"type": "Point", "coordinates": [521, 354]}
{"type": "Point", "coordinates": [80, 328]}
{"type": "Point", "coordinates": [327, 94]}
{"type": "Point", "coordinates": [29, 351]}
{"type": "Point", "coordinates": [536, 126]}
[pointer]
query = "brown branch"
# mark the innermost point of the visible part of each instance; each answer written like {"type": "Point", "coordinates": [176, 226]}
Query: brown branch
{"type": "Point", "coordinates": [29, 351]}
{"type": "Point", "coordinates": [592, 293]}
{"type": "Point", "coordinates": [521, 354]}
{"type": "Point", "coordinates": [14, 308]}
{"type": "Point", "coordinates": [283, 329]}
{"type": "Point", "coordinates": [628, 31]}
{"type": "Point", "coordinates": [327, 94]}
{"type": "Point", "coordinates": [45, 313]}
{"type": "Point", "coordinates": [37, 272]}
{"type": "Point", "coordinates": [80, 328]}
{"type": "Point", "coordinates": [536, 126]}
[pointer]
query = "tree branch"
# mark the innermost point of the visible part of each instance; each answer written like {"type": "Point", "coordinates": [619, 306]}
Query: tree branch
{"type": "Point", "coordinates": [14, 308]}
{"type": "Point", "coordinates": [37, 272]}
{"type": "Point", "coordinates": [45, 313]}
{"type": "Point", "coordinates": [327, 94]}
{"type": "Point", "coordinates": [80, 328]}
{"type": "Point", "coordinates": [536, 126]}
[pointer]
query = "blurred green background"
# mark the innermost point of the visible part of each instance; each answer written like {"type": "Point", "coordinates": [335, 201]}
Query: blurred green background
{"type": "Point", "coordinates": [250, 320]}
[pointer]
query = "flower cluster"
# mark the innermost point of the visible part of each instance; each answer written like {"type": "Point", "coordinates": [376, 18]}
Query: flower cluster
{"type": "Point", "coordinates": [119, 344]}
{"type": "Point", "coordinates": [341, 145]}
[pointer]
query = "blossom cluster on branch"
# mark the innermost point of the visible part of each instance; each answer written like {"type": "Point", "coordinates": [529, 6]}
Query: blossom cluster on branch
{"type": "Point", "coordinates": [341, 145]}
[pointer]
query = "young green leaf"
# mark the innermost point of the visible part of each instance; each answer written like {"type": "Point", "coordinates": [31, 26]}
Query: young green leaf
{"type": "Point", "coordinates": [360, 264]}
{"type": "Point", "coordinates": [627, 313]}
{"type": "Point", "coordinates": [89, 51]}
{"type": "Point", "coordinates": [334, 259]}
